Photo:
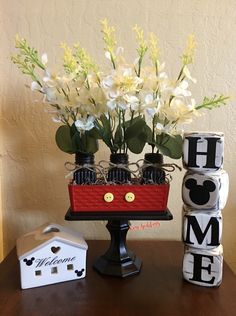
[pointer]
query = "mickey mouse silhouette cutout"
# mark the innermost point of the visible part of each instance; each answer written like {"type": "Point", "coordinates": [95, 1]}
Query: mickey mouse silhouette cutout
{"type": "Point", "coordinates": [79, 273]}
{"type": "Point", "coordinates": [200, 194]}
{"type": "Point", "coordinates": [29, 262]}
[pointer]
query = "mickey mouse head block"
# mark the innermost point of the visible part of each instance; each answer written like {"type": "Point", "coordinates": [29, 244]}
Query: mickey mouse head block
{"type": "Point", "coordinates": [203, 152]}
{"type": "Point", "coordinates": [205, 191]}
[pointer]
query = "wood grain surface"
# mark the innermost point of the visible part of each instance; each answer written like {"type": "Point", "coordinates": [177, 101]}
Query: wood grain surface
{"type": "Point", "coordinates": [157, 290]}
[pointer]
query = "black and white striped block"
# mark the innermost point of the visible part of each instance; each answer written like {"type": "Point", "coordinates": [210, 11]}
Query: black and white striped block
{"type": "Point", "coordinates": [203, 151]}
{"type": "Point", "coordinates": [207, 191]}
{"type": "Point", "coordinates": [203, 267]}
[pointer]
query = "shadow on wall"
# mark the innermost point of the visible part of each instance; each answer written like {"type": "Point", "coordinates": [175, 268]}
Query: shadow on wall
{"type": "Point", "coordinates": [33, 184]}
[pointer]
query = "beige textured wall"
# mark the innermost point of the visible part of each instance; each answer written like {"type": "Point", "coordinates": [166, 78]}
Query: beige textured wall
{"type": "Point", "coordinates": [33, 185]}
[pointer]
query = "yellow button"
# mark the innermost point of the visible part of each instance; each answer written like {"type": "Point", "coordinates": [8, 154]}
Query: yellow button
{"type": "Point", "coordinates": [108, 197]}
{"type": "Point", "coordinates": [129, 197]}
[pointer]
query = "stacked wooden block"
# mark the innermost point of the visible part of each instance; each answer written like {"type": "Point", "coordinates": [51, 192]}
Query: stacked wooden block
{"type": "Point", "coordinates": [204, 193]}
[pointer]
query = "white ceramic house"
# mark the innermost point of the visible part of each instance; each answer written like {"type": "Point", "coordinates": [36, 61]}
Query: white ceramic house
{"type": "Point", "coordinates": [51, 254]}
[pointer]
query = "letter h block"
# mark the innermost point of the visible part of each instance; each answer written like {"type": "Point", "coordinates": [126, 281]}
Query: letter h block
{"type": "Point", "coordinates": [203, 152]}
{"type": "Point", "coordinates": [203, 267]}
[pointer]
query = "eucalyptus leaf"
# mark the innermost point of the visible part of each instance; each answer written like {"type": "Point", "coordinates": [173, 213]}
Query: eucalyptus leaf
{"type": "Point", "coordinates": [91, 145]}
{"type": "Point", "coordinates": [118, 138]}
{"type": "Point", "coordinates": [85, 143]}
{"type": "Point", "coordinates": [170, 146]}
{"type": "Point", "coordinates": [136, 144]}
{"type": "Point", "coordinates": [94, 133]}
{"type": "Point", "coordinates": [63, 139]}
{"type": "Point", "coordinates": [133, 120]}
{"type": "Point", "coordinates": [105, 131]}
{"type": "Point", "coordinates": [73, 130]}
{"type": "Point", "coordinates": [78, 143]}
{"type": "Point", "coordinates": [134, 129]}
{"type": "Point", "coordinates": [148, 131]}
{"type": "Point", "coordinates": [106, 124]}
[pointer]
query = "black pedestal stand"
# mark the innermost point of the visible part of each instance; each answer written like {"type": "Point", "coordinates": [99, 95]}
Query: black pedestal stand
{"type": "Point", "coordinates": [118, 260]}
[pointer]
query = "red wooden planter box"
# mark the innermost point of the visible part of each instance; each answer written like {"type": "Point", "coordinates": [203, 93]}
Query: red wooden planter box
{"type": "Point", "coordinates": [91, 198]}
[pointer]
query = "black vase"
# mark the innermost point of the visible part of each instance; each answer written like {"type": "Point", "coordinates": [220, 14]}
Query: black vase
{"type": "Point", "coordinates": [153, 173]}
{"type": "Point", "coordinates": [86, 175]}
{"type": "Point", "coordinates": [119, 174]}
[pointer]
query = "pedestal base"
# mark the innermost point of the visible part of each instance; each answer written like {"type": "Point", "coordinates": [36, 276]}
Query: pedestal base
{"type": "Point", "coordinates": [119, 269]}
{"type": "Point", "coordinates": [118, 260]}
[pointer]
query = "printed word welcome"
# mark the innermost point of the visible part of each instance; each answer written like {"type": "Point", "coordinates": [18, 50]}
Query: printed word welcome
{"type": "Point", "coordinates": [52, 261]}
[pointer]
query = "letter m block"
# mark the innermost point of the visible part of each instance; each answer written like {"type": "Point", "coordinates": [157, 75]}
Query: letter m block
{"type": "Point", "coordinates": [202, 229]}
{"type": "Point", "coordinates": [203, 152]}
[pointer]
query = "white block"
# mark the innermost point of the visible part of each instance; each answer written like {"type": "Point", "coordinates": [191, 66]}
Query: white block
{"type": "Point", "coordinates": [203, 267]}
{"type": "Point", "coordinates": [205, 191]}
{"type": "Point", "coordinates": [203, 151]}
{"type": "Point", "coordinates": [202, 229]}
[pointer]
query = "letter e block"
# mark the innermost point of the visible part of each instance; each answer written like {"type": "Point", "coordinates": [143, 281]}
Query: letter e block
{"type": "Point", "coordinates": [202, 229]}
{"type": "Point", "coordinates": [205, 191]}
{"type": "Point", "coordinates": [203, 268]}
{"type": "Point", "coordinates": [203, 152]}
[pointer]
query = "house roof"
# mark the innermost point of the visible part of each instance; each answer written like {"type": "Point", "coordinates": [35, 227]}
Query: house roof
{"type": "Point", "coordinates": [45, 234]}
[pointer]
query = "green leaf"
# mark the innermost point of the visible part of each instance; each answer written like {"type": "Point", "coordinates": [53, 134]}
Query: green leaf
{"type": "Point", "coordinates": [84, 143]}
{"type": "Point", "coordinates": [136, 135]}
{"type": "Point", "coordinates": [118, 138]}
{"type": "Point", "coordinates": [78, 143]}
{"type": "Point", "coordinates": [91, 145]}
{"type": "Point", "coordinates": [63, 139]}
{"type": "Point", "coordinates": [148, 131]}
{"type": "Point", "coordinates": [105, 130]}
{"type": "Point", "coordinates": [136, 144]}
{"type": "Point", "coordinates": [170, 146]}
{"type": "Point", "coordinates": [106, 124]}
{"type": "Point", "coordinates": [94, 133]}
{"type": "Point", "coordinates": [133, 120]}
{"type": "Point", "coordinates": [134, 129]}
{"type": "Point", "coordinates": [73, 130]}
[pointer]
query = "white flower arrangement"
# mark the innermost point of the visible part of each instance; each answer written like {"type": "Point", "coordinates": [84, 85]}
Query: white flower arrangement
{"type": "Point", "coordinates": [130, 105]}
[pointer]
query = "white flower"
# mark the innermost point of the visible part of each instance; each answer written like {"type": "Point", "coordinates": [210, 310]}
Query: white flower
{"type": "Point", "coordinates": [151, 105]}
{"type": "Point", "coordinates": [56, 119]}
{"type": "Point", "coordinates": [113, 94]}
{"type": "Point", "coordinates": [192, 105]}
{"type": "Point", "coordinates": [148, 99]}
{"type": "Point", "coordinates": [108, 55]}
{"type": "Point", "coordinates": [163, 75]}
{"type": "Point", "coordinates": [44, 59]}
{"type": "Point", "coordinates": [111, 104]}
{"type": "Point", "coordinates": [160, 128]}
{"type": "Point", "coordinates": [108, 82]}
{"type": "Point", "coordinates": [35, 86]}
{"type": "Point", "coordinates": [119, 50]}
{"type": "Point", "coordinates": [181, 89]}
{"type": "Point", "coordinates": [85, 124]}
{"type": "Point", "coordinates": [50, 94]}
{"type": "Point", "coordinates": [187, 74]}
{"type": "Point", "coordinates": [132, 101]}
{"type": "Point", "coordinates": [151, 112]}
{"type": "Point", "coordinates": [179, 111]}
